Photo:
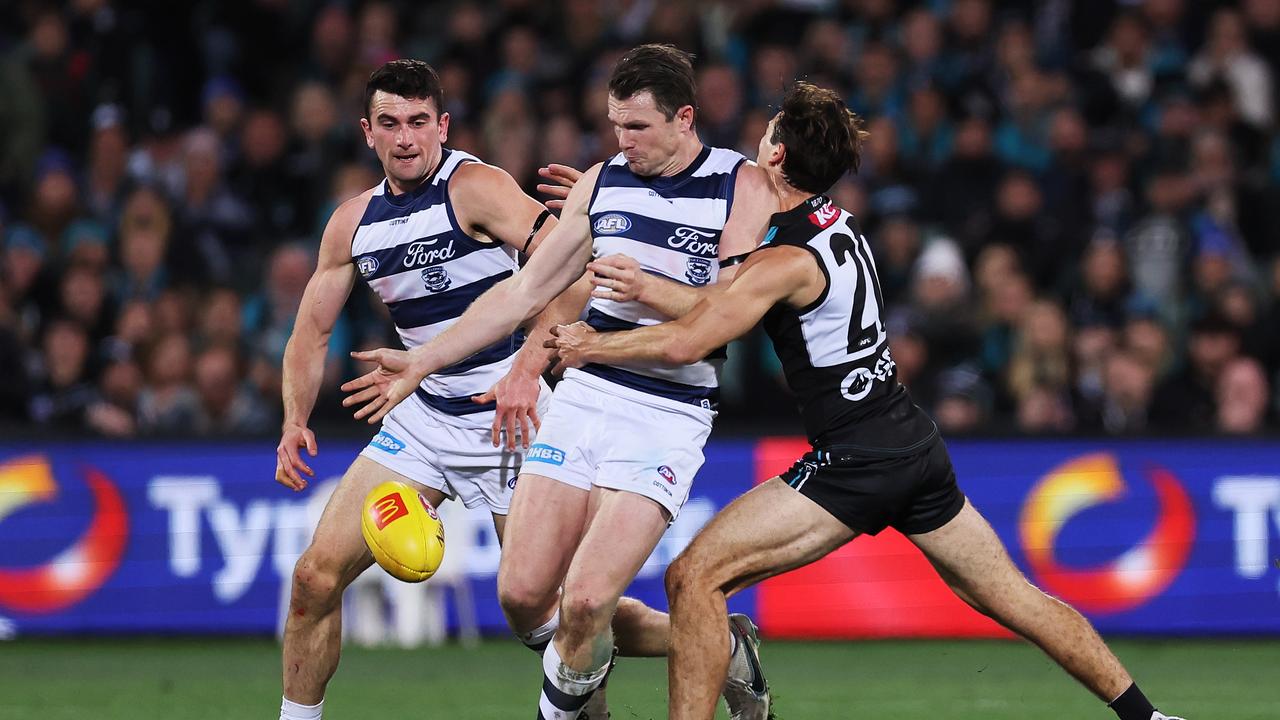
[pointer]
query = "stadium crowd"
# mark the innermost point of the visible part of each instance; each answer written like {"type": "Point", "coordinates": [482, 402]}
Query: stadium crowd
{"type": "Point", "coordinates": [1073, 205]}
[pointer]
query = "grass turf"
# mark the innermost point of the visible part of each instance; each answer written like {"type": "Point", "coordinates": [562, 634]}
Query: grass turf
{"type": "Point", "coordinates": [220, 678]}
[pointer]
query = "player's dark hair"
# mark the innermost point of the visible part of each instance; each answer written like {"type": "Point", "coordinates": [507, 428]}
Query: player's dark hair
{"type": "Point", "coordinates": [822, 135]}
{"type": "Point", "coordinates": [666, 71]}
{"type": "Point", "coordinates": [411, 79]}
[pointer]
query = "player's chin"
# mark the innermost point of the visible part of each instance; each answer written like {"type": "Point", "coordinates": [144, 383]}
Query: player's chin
{"type": "Point", "coordinates": [409, 168]}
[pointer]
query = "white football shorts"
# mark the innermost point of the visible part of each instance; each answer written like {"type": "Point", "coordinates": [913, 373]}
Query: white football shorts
{"type": "Point", "coordinates": [451, 453]}
{"type": "Point", "coordinates": [601, 433]}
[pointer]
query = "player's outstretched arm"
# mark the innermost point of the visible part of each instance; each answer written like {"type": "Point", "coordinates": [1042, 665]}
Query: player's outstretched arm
{"type": "Point", "coordinates": [558, 262]}
{"type": "Point", "coordinates": [620, 278]}
{"type": "Point", "coordinates": [304, 355]}
{"type": "Point", "coordinates": [781, 274]}
{"type": "Point", "coordinates": [489, 203]}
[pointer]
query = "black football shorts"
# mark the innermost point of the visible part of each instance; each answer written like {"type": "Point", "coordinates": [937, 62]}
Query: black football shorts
{"type": "Point", "coordinates": [912, 492]}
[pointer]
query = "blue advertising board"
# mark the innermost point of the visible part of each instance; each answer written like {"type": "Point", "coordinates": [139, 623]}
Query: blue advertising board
{"type": "Point", "coordinates": [199, 538]}
{"type": "Point", "coordinates": [1151, 537]}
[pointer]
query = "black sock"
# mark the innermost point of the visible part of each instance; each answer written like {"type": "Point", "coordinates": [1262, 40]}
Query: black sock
{"type": "Point", "coordinates": [1132, 705]}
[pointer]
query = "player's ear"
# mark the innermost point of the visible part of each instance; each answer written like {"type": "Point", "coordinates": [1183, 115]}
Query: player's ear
{"type": "Point", "coordinates": [684, 116]}
{"type": "Point", "coordinates": [368, 132]}
{"type": "Point", "coordinates": [444, 127]}
{"type": "Point", "coordinates": [777, 154]}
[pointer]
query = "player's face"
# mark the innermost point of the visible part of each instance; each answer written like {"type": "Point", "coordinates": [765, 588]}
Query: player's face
{"type": "Point", "coordinates": [647, 139]}
{"type": "Point", "coordinates": [407, 135]}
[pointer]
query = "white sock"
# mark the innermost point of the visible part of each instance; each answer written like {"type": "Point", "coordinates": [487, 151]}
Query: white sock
{"type": "Point", "coordinates": [290, 710]}
{"type": "Point", "coordinates": [565, 690]}
{"type": "Point", "coordinates": [733, 643]}
{"type": "Point", "coordinates": [538, 638]}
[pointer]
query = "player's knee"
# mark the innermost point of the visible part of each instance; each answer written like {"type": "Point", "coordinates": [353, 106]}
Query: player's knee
{"type": "Point", "coordinates": [683, 576]}
{"type": "Point", "coordinates": [585, 607]}
{"type": "Point", "coordinates": [316, 582]}
{"type": "Point", "coordinates": [520, 600]}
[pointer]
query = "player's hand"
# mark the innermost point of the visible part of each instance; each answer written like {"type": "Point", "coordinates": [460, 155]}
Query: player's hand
{"type": "Point", "coordinates": [564, 177]}
{"type": "Point", "coordinates": [617, 277]}
{"type": "Point", "coordinates": [289, 463]}
{"type": "Point", "coordinates": [385, 386]}
{"type": "Point", "coordinates": [517, 397]}
{"type": "Point", "coordinates": [570, 343]}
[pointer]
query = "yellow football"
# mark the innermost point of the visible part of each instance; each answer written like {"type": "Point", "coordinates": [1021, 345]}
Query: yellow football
{"type": "Point", "coordinates": [403, 531]}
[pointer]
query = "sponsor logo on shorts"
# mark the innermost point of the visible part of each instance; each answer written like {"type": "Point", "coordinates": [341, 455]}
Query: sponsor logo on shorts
{"type": "Point", "coordinates": [367, 265]}
{"type": "Point", "coordinates": [543, 453]}
{"type": "Point", "coordinates": [387, 509]}
{"type": "Point", "coordinates": [612, 224]}
{"type": "Point", "coordinates": [662, 487]}
{"type": "Point", "coordinates": [667, 474]}
{"type": "Point", "coordinates": [512, 483]}
{"type": "Point", "coordinates": [387, 442]}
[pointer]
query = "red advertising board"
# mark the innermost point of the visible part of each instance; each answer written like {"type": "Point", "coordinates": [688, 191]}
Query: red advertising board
{"type": "Point", "coordinates": [879, 586]}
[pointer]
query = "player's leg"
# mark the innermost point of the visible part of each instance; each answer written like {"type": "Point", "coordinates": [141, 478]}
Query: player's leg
{"type": "Point", "coordinates": [767, 531]}
{"type": "Point", "coordinates": [336, 555]}
{"type": "Point", "coordinates": [973, 561]}
{"type": "Point", "coordinates": [624, 529]}
{"type": "Point", "coordinates": [639, 630]}
{"type": "Point", "coordinates": [542, 529]}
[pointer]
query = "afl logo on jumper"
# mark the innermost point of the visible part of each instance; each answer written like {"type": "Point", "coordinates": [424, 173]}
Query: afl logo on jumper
{"type": "Point", "coordinates": [698, 271]}
{"type": "Point", "coordinates": [612, 224]}
{"type": "Point", "coordinates": [367, 265]}
{"type": "Point", "coordinates": [436, 279]}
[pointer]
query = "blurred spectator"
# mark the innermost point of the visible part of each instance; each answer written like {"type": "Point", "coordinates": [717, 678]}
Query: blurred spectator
{"type": "Point", "coordinates": [220, 320]}
{"type": "Point", "coordinates": [1241, 396]}
{"type": "Point", "coordinates": [939, 295]}
{"type": "Point", "coordinates": [1158, 245]}
{"type": "Point", "coordinates": [1124, 409]}
{"type": "Point", "coordinates": [1186, 400]}
{"type": "Point", "coordinates": [144, 243]}
{"type": "Point", "coordinates": [961, 195]}
{"type": "Point", "coordinates": [119, 389]}
{"type": "Point", "coordinates": [1039, 374]}
{"type": "Point", "coordinates": [1125, 59]}
{"type": "Point", "coordinates": [1147, 339]}
{"type": "Point", "coordinates": [210, 219]}
{"type": "Point", "coordinates": [1226, 55]}
{"type": "Point", "coordinates": [167, 405]}
{"type": "Point", "coordinates": [896, 245]}
{"type": "Point", "coordinates": [227, 407]}
{"type": "Point", "coordinates": [62, 391]}
{"type": "Point", "coordinates": [83, 296]}
{"type": "Point", "coordinates": [964, 401]}
{"type": "Point", "coordinates": [925, 135]}
{"type": "Point", "coordinates": [268, 318]}
{"type": "Point", "coordinates": [1101, 293]}
{"type": "Point", "coordinates": [720, 105]}
{"type": "Point", "coordinates": [1020, 223]}
{"type": "Point", "coordinates": [107, 172]}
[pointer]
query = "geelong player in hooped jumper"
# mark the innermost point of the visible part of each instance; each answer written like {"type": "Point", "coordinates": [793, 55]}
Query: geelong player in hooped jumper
{"type": "Point", "coordinates": [617, 451]}
{"type": "Point", "coordinates": [441, 229]}
{"type": "Point", "coordinates": [877, 459]}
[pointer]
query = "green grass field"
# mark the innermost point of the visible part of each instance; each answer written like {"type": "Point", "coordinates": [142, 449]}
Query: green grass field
{"type": "Point", "coordinates": [910, 680]}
